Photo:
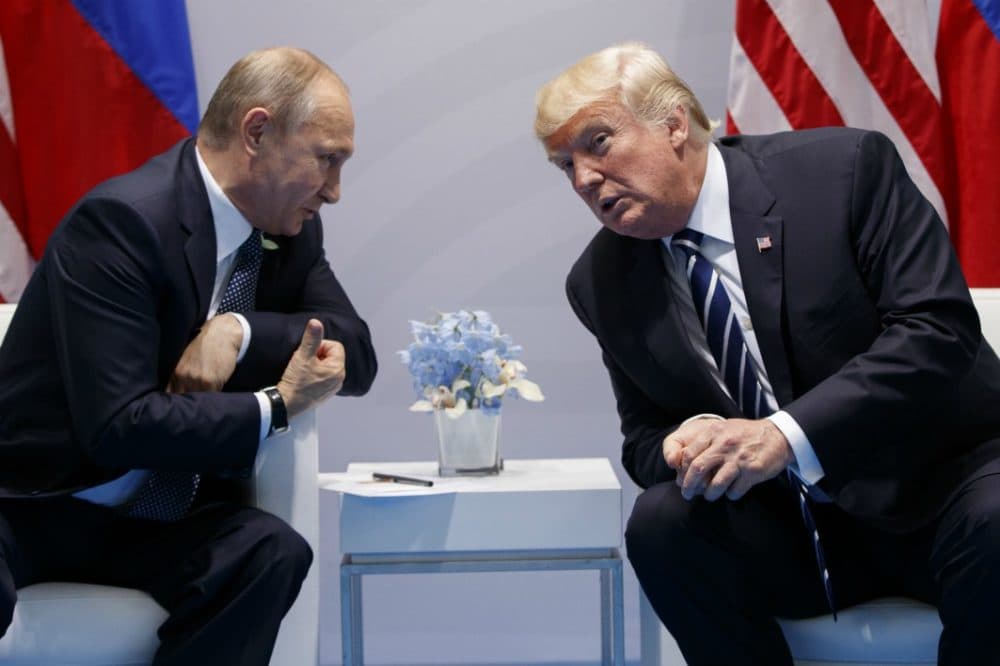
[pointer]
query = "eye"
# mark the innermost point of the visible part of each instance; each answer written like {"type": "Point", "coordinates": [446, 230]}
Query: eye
{"type": "Point", "coordinates": [566, 166]}
{"type": "Point", "coordinates": [599, 142]}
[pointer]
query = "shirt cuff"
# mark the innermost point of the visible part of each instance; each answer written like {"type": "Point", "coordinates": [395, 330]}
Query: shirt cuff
{"type": "Point", "coordinates": [246, 335]}
{"type": "Point", "coordinates": [696, 417]}
{"type": "Point", "coordinates": [808, 467]}
{"type": "Point", "coordinates": [265, 413]}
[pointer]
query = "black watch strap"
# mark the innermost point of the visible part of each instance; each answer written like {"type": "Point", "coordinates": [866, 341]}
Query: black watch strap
{"type": "Point", "coordinates": [279, 415]}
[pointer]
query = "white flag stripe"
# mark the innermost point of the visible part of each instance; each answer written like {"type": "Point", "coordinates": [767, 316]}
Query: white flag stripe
{"type": "Point", "coordinates": [909, 23]}
{"type": "Point", "coordinates": [813, 28]}
{"type": "Point", "coordinates": [751, 104]}
{"type": "Point", "coordinates": [6, 108]}
{"type": "Point", "coordinates": [15, 262]}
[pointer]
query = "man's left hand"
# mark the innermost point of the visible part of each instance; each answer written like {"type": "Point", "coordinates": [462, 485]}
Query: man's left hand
{"type": "Point", "coordinates": [210, 359]}
{"type": "Point", "coordinates": [715, 457]}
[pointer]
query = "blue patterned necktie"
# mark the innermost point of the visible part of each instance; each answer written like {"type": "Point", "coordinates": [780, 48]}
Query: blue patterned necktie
{"type": "Point", "coordinates": [729, 349]}
{"type": "Point", "coordinates": [166, 495]}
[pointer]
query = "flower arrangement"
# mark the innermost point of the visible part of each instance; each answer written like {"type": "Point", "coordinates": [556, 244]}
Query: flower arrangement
{"type": "Point", "coordinates": [461, 361]}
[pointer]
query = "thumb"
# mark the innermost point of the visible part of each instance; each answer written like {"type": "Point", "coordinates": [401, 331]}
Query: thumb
{"type": "Point", "coordinates": [312, 337]}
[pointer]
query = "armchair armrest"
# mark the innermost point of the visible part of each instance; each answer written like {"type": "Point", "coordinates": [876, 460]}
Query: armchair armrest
{"type": "Point", "coordinates": [284, 483]}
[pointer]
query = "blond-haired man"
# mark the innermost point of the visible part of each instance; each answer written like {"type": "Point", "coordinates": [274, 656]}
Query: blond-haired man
{"type": "Point", "coordinates": [794, 351]}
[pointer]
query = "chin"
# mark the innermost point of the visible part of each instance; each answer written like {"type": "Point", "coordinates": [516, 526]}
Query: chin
{"type": "Point", "coordinates": [634, 227]}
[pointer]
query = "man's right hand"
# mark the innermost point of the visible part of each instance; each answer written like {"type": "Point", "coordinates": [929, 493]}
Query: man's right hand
{"type": "Point", "coordinates": [315, 371]}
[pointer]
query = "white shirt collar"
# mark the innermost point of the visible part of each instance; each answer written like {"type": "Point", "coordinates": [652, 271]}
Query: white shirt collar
{"type": "Point", "coordinates": [231, 228]}
{"type": "Point", "coordinates": [710, 215]}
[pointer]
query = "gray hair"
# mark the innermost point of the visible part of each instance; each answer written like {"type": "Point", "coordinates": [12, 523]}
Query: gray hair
{"type": "Point", "coordinates": [276, 79]}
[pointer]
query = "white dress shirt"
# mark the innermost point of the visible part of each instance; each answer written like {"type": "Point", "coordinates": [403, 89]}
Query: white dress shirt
{"type": "Point", "coordinates": [231, 230]}
{"type": "Point", "coordinates": [711, 217]}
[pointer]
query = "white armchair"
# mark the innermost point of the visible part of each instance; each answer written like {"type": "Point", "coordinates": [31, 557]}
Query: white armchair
{"type": "Point", "coordinates": [76, 624]}
{"type": "Point", "coordinates": [883, 631]}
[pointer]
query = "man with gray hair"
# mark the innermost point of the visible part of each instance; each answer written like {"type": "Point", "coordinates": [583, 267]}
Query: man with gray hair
{"type": "Point", "coordinates": [804, 390]}
{"type": "Point", "coordinates": [180, 315]}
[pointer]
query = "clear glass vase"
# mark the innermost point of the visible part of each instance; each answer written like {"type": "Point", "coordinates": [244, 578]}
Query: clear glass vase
{"type": "Point", "coordinates": [469, 444]}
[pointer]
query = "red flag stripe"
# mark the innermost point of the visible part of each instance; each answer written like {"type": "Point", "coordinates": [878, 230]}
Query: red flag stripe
{"type": "Point", "coordinates": [801, 96]}
{"type": "Point", "coordinates": [901, 87]}
{"type": "Point", "coordinates": [731, 127]}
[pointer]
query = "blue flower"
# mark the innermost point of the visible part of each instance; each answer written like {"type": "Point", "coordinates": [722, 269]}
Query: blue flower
{"type": "Point", "coordinates": [461, 360]}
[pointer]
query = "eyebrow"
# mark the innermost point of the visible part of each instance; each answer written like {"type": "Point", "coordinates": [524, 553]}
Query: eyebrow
{"type": "Point", "coordinates": [589, 127]}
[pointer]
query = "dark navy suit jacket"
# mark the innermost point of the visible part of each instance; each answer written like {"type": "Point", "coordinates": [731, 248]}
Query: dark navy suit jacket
{"type": "Point", "coordinates": [123, 287]}
{"type": "Point", "coordinates": [864, 320]}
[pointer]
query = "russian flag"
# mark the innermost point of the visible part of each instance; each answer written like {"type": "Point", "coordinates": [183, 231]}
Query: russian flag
{"type": "Point", "coordinates": [89, 89]}
{"type": "Point", "coordinates": [968, 61]}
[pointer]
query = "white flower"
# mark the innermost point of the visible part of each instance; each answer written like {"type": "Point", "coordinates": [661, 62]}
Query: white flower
{"type": "Point", "coordinates": [443, 398]}
{"type": "Point", "coordinates": [510, 372]}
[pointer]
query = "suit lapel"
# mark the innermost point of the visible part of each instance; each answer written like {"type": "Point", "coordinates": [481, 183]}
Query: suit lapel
{"type": "Point", "coordinates": [761, 267]}
{"type": "Point", "coordinates": [196, 219]}
{"type": "Point", "coordinates": [661, 330]}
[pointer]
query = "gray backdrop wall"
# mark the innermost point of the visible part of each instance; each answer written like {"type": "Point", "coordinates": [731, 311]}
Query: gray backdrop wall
{"type": "Point", "coordinates": [449, 203]}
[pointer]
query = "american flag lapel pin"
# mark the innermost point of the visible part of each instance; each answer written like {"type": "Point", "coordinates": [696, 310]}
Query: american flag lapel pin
{"type": "Point", "coordinates": [763, 244]}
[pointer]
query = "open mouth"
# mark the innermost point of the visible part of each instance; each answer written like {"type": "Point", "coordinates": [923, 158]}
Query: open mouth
{"type": "Point", "coordinates": [607, 203]}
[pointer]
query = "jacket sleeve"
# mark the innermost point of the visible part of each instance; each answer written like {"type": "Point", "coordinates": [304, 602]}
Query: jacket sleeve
{"type": "Point", "coordinates": [929, 331]}
{"type": "Point", "coordinates": [277, 326]}
{"type": "Point", "coordinates": [643, 423]}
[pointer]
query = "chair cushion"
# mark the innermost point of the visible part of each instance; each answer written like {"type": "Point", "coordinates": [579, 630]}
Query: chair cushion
{"type": "Point", "coordinates": [109, 626]}
{"type": "Point", "coordinates": [892, 630]}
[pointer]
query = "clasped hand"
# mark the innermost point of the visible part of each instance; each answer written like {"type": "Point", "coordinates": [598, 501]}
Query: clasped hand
{"type": "Point", "coordinates": [713, 457]}
{"type": "Point", "coordinates": [210, 359]}
{"type": "Point", "coordinates": [316, 370]}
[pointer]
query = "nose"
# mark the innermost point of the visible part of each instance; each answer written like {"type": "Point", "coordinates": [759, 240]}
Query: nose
{"type": "Point", "coordinates": [585, 177]}
{"type": "Point", "coordinates": [330, 193]}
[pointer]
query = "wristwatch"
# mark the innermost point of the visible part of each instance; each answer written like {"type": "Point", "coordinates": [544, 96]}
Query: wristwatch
{"type": "Point", "coordinates": [279, 415]}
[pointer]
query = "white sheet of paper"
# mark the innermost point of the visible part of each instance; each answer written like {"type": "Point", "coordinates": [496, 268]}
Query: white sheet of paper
{"type": "Point", "coordinates": [363, 485]}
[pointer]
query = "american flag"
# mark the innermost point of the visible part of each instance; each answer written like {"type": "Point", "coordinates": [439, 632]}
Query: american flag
{"type": "Point", "coordinates": [880, 64]}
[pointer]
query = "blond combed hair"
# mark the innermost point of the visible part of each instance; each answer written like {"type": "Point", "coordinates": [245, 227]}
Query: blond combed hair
{"type": "Point", "coordinates": [631, 73]}
{"type": "Point", "coordinates": [276, 79]}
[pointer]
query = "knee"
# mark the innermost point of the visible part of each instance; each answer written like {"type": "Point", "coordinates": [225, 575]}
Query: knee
{"type": "Point", "coordinates": [280, 548]}
{"type": "Point", "coordinates": [977, 533]}
{"type": "Point", "coordinates": [657, 528]}
{"type": "Point", "coordinates": [8, 598]}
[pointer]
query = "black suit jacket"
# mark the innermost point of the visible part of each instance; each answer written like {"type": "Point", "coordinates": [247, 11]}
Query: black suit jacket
{"type": "Point", "coordinates": [864, 320]}
{"type": "Point", "coordinates": [123, 287]}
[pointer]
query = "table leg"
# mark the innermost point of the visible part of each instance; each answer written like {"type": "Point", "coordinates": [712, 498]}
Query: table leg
{"type": "Point", "coordinates": [607, 613]}
{"type": "Point", "coordinates": [351, 629]}
{"type": "Point", "coordinates": [618, 620]}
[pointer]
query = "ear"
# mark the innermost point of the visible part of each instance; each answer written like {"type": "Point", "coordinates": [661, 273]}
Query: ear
{"type": "Point", "coordinates": [256, 122]}
{"type": "Point", "coordinates": [678, 124]}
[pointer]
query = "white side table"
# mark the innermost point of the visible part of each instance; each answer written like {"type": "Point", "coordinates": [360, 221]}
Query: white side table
{"type": "Point", "coordinates": [536, 515]}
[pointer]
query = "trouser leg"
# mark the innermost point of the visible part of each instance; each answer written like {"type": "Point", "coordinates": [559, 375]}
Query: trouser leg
{"type": "Point", "coordinates": [8, 565]}
{"type": "Point", "coordinates": [226, 573]}
{"type": "Point", "coordinates": [965, 564]}
{"type": "Point", "coordinates": [717, 573]}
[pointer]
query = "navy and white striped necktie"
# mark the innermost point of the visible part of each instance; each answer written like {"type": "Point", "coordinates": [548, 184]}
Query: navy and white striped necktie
{"type": "Point", "coordinates": [166, 495]}
{"type": "Point", "coordinates": [729, 349]}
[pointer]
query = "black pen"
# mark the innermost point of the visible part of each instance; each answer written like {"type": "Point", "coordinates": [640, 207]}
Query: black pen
{"type": "Point", "coordinates": [396, 478]}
